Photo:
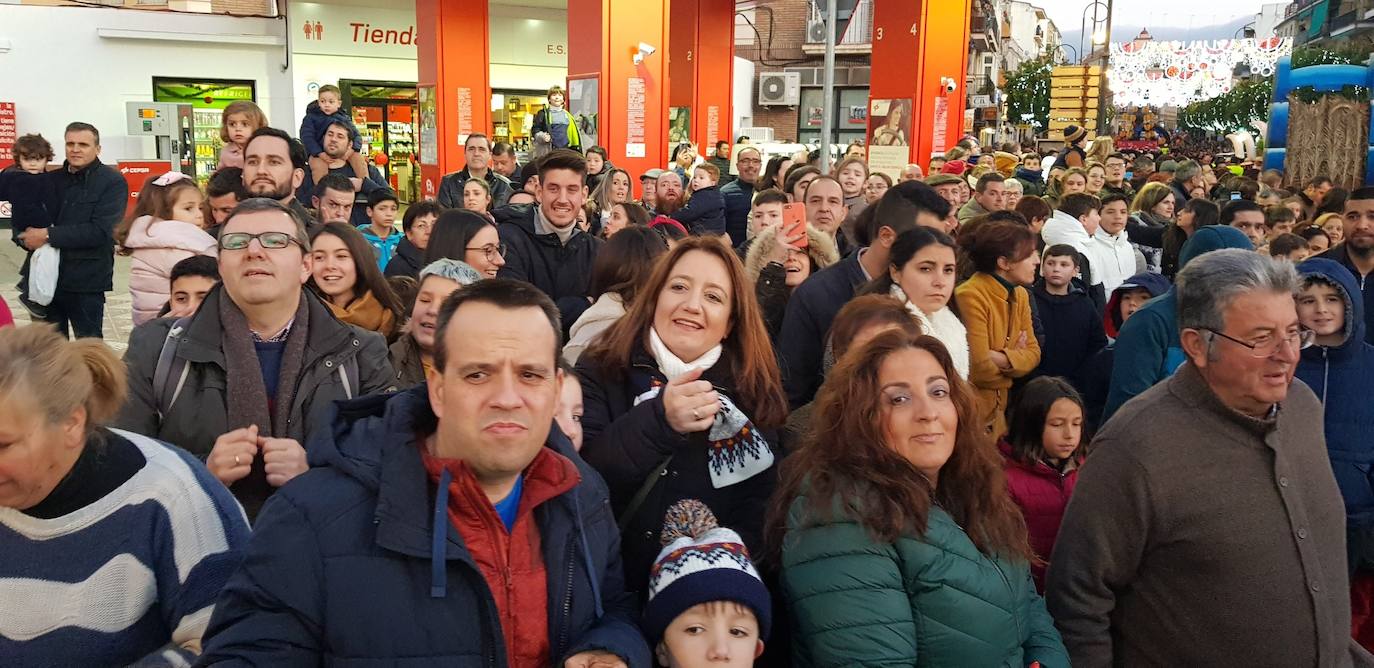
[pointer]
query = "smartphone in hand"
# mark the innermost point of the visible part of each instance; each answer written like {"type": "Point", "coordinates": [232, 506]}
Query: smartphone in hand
{"type": "Point", "coordinates": [794, 223]}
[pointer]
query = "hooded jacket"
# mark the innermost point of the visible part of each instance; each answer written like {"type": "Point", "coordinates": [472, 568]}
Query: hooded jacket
{"type": "Point", "coordinates": [356, 562]}
{"type": "Point", "coordinates": [1342, 376]}
{"type": "Point", "coordinates": [562, 271]}
{"type": "Point", "coordinates": [704, 212]}
{"type": "Point", "coordinates": [1340, 254]}
{"type": "Point", "coordinates": [1095, 376]}
{"type": "Point", "coordinates": [1073, 331]}
{"type": "Point", "coordinates": [315, 122]}
{"type": "Point", "coordinates": [1062, 228]}
{"type": "Point", "coordinates": [1032, 183]}
{"type": "Point", "coordinates": [1148, 349]}
{"type": "Point", "coordinates": [770, 278]}
{"type": "Point", "coordinates": [157, 245]}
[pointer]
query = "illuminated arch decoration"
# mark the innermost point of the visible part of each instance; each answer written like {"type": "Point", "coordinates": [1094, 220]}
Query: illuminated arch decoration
{"type": "Point", "coordinates": [1173, 73]}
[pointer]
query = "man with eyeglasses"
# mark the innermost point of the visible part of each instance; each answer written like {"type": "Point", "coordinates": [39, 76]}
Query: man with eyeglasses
{"type": "Point", "coordinates": [1211, 497]}
{"type": "Point", "coordinates": [416, 224]}
{"type": "Point", "coordinates": [544, 245]}
{"type": "Point", "coordinates": [1116, 177]}
{"type": "Point", "coordinates": [739, 194]}
{"type": "Point", "coordinates": [244, 381]}
{"type": "Point", "coordinates": [477, 155]}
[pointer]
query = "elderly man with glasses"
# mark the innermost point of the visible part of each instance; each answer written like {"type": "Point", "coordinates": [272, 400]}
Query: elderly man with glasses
{"type": "Point", "coordinates": [739, 194]}
{"type": "Point", "coordinates": [1209, 529]}
{"type": "Point", "coordinates": [243, 382]}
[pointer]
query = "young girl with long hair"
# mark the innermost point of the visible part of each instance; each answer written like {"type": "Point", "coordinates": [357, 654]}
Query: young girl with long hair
{"type": "Point", "coordinates": [237, 123]}
{"type": "Point", "coordinates": [163, 230]}
{"type": "Point", "coordinates": [344, 273]}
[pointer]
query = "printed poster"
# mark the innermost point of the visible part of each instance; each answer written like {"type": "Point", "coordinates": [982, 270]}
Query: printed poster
{"type": "Point", "coordinates": [889, 136]}
{"type": "Point", "coordinates": [584, 96]}
{"type": "Point", "coordinates": [679, 125]}
{"type": "Point", "coordinates": [429, 126]}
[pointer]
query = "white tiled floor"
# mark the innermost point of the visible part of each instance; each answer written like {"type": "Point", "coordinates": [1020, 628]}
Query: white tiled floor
{"type": "Point", "coordinates": [118, 309]}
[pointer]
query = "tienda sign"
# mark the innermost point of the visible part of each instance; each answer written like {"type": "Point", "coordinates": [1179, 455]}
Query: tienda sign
{"type": "Point", "coordinates": [366, 34]}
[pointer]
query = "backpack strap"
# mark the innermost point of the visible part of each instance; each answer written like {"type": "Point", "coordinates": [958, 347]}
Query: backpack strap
{"type": "Point", "coordinates": [170, 366]}
{"type": "Point", "coordinates": [637, 501]}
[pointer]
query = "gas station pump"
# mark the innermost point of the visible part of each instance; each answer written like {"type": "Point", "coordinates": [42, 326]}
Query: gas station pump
{"type": "Point", "coordinates": [172, 128]}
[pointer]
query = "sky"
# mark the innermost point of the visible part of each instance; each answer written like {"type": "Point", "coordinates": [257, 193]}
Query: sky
{"type": "Point", "coordinates": [1068, 14]}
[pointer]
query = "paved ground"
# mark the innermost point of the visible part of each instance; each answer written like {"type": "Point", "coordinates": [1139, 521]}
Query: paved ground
{"type": "Point", "coordinates": [118, 311]}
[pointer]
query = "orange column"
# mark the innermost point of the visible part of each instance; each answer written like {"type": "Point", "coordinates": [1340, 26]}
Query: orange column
{"type": "Point", "coordinates": [701, 67]}
{"type": "Point", "coordinates": [603, 38]}
{"type": "Point", "coordinates": [454, 70]}
{"type": "Point", "coordinates": [918, 47]}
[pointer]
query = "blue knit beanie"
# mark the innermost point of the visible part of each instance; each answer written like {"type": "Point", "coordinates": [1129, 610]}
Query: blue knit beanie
{"type": "Point", "coordinates": [701, 563]}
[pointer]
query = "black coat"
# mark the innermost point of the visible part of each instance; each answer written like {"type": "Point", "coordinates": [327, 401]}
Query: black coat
{"type": "Point", "coordinates": [739, 199]}
{"type": "Point", "coordinates": [562, 271]}
{"type": "Point", "coordinates": [343, 568]}
{"type": "Point", "coordinates": [1073, 332]}
{"type": "Point", "coordinates": [451, 189]}
{"type": "Point", "coordinates": [80, 210]}
{"type": "Point", "coordinates": [408, 260]}
{"type": "Point", "coordinates": [806, 325]}
{"type": "Point", "coordinates": [704, 213]}
{"type": "Point", "coordinates": [626, 443]}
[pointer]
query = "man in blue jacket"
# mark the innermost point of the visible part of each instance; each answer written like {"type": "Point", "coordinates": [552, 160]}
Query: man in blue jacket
{"type": "Point", "coordinates": [75, 210]}
{"type": "Point", "coordinates": [1148, 349]}
{"type": "Point", "coordinates": [449, 524]}
{"type": "Point", "coordinates": [739, 194]}
{"type": "Point", "coordinates": [1356, 253]}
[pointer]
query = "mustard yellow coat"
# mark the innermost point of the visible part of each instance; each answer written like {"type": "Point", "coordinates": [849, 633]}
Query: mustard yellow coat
{"type": "Point", "coordinates": [995, 320]}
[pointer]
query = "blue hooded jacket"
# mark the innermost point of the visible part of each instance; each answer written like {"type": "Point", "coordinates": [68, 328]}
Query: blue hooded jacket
{"type": "Point", "coordinates": [1096, 376]}
{"type": "Point", "coordinates": [356, 561]}
{"type": "Point", "coordinates": [1148, 349]}
{"type": "Point", "coordinates": [1343, 378]}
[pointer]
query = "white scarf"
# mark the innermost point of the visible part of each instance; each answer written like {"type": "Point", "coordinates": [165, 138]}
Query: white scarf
{"type": "Point", "coordinates": [738, 451]}
{"type": "Point", "coordinates": [943, 325]}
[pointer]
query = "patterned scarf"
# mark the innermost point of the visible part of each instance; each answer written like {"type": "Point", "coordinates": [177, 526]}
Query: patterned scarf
{"type": "Point", "coordinates": [738, 451]}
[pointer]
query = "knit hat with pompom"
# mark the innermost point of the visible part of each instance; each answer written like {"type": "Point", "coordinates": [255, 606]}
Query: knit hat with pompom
{"type": "Point", "coordinates": [701, 562]}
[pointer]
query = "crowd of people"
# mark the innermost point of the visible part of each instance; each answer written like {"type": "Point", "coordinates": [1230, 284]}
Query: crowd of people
{"type": "Point", "coordinates": [1078, 408]}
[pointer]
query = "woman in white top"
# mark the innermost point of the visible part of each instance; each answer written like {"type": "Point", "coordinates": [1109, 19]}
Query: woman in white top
{"type": "Point", "coordinates": [922, 275]}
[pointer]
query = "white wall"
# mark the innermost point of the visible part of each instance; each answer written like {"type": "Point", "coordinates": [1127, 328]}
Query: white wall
{"type": "Point", "coordinates": [309, 72]}
{"type": "Point", "coordinates": [58, 69]}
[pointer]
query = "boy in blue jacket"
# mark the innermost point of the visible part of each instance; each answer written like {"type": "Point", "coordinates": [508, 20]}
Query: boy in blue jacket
{"type": "Point", "coordinates": [326, 110]}
{"type": "Point", "coordinates": [705, 210]}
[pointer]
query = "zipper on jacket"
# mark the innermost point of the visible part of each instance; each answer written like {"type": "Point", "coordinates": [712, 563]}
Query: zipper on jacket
{"type": "Point", "coordinates": [567, 605]}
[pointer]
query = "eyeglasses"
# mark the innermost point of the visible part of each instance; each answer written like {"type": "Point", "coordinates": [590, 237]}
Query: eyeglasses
{"type": "Point", "coordinates": [239, 240]}
{"type": "Point", "coordinates": [490, 251]}
{"type": "Point", "coordinates": [1268, 344]}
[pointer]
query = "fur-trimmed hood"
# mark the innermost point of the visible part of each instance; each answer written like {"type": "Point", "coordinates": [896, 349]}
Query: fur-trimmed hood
{"type": "Point", "coordinates": [819, 246]}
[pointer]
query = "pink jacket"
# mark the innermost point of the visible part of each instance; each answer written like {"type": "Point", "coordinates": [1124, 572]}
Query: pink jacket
{"type": "Point", "coordinates": [157, 245]}
{"type": "Point", "coordinates": [6, 318]}
{"type": "Point", "coordinates": [230, 156]}
{"type": "Point", "coordinates": [1043, 494]}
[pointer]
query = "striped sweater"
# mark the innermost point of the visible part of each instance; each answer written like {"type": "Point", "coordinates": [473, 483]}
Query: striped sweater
{"type": "Point", "coordinates": [129, 579]}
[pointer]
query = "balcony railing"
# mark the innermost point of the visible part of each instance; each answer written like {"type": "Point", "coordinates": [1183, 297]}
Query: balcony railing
{"type": "Point", "coordinates": [859, 31]}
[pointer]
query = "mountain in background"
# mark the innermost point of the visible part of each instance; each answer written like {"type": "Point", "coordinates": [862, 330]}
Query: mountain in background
{"type": "Point", "coordinates": [1126, 32]}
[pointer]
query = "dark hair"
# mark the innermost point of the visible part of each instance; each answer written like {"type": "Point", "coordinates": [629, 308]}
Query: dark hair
{"type": "Point", "coordinates": [1033, 207]}
{"type": "Point", "coordinates": [753, 364]}
{"type": "Point", "coordinates": [1361, 193]}
{"type": "Point", "coordinates": [625, 262]}
{"type": "Point", "coordinates": [797, 173]}
{"type": "Point", "coordinates": [846, 470]}
{"type": "Point", "coordinates": [381, 195]}
{"type": "Point", "coordinates": [1317, 182]}
{"type": "Point", "coordinates": [33, 146]}
{"type": "Point", "coordinates": [1285, 244]}
{"type": "Point", "coordinates": [1064, 250]}
{"type": "Point", "coordinates": [1026, 424]}
{"type": "Point", "coordinates": [453, 231]}
{"type": "Point", "coordinates": [682, 146]}
{"type": "Point", "coordinates": [405, 287]}
{"type": "Point", "coordinates": [1278, 214]}
{"type": "Point", "coordinates": [899, 207]}
{"type": "Point", "coordinates": [1079, 204]}
{"type": "Point", "coordinates": [336, 182]}
{"type": "Point", "coordinates": [1248, 188]}
{"type": "Point", "coordinates": [1334, 202]}
{"type": "Point", "coordinates": [1110, 197]}
{"type": "Point", "coordinates": [907, 245]}
{"type": "Point", "coordinates": [771, 176]}
{"type": "Point", "coordinates": [1205, 212]}
{"type": "Point", "coordinates": [503, 293]}
{"type": "Point", "coordinates": [226, 180]}
{"type": "Point", "coordinates": [1005, 217]}
{"type": "Point", "coordinates": [1233, 207]}
{"type": "Point", "coordinates": [502, 148]}
{"type": "Point", "coordinates": [601, 151]}
{"type": "Point", "coordinates": [865, 311]}
{"type": "Point", "coordinates": [1117, 156]}
{"type": "Point", "coordinates": [369, 275]}
{"type": "Point", "coordinates": [990, 177]}
{"type": "Point", "coordinates": [637, 214]}
{"type": "Point", "coordinates": [562, 159]}
{"type": "Point", "coordinates": [769, 196]}
{"type": "Point", "coordinates": [991, 241]}
{"type": "Point", "coordinates": [347, 127]}
{"type": "Point", "coordinates": [1309, 233]}
{"type": "Point", "coordinates": [477, 135]}
{"type": "Point", "coordinates": [420, 209]}
{"type": "Point", "coordinates": [196, 265]}
{"type": "Point", "coordinates": [78, 126]}
{"type": "Point", "coordinates": [294, 148]}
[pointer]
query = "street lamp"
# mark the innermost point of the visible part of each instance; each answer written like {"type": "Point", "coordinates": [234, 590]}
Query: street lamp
{"type": "Point", "coordinates": [1098, 36]}
{"type": "Point", "coordinates": [1065, 56]}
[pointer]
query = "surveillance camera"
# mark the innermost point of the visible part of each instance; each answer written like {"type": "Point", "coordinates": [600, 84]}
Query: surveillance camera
{"type": "Point", "coordinates": [646, 50]}
{"type": "Point", "coordinates": [949, 84]}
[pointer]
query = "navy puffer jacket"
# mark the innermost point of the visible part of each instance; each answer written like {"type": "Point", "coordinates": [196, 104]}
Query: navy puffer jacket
{"type": "Point", "coordinates": [1343, 378]}
{"type": "Point", "coordinates": [351, 563]}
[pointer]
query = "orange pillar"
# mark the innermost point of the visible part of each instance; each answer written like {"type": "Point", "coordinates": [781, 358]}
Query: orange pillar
{"type": "Point", "coordinates": [701, 67]}
{"type": "Point", "coordinates": [603, 38]}
{"type": "Point", "coordinates": [918, 47]}
{"type": "Point", "coordinates": [455, 75]}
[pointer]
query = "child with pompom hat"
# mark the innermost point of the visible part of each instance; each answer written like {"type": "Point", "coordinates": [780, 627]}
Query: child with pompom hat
{"type": "Point", "coordinates": [707, 604]}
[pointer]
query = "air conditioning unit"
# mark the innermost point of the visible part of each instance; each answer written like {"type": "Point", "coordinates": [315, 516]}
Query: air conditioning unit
{"type": "Point", "coordinates": [758, 135]}
{"type": "Point", "coordinates": [815, 32]}
{"type": "Point", "coordinates": [779, 89]}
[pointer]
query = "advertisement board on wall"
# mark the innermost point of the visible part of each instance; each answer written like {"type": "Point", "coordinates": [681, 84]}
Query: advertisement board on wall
{"type": "Point", "coordinates": [584, 96]}
{"type": "Point", "coordinates": [889, 136]}
{"type": "Point", "coordinates": [8, 134]}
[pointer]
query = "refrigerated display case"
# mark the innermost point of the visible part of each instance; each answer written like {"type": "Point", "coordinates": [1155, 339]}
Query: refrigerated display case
{"type": "Point", "coordinates": [208, 98]}
{"type": "Point", "coordinates": [385, 114]}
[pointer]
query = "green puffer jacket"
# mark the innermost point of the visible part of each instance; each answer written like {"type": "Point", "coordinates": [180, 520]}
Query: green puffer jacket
{"type": "Point", "coordinates": [930, 601]}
